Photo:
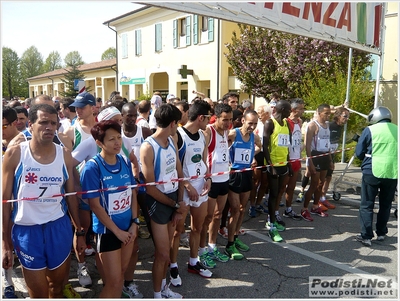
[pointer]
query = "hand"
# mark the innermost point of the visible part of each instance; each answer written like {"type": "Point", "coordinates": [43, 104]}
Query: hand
{"type": "Point", "coordinates": [312, 170]}
{"type": "Point", "coordinates": [206, 187]}
{"type": "Point", "coordinates": [192, 193]}
{"type": "Point", "coordinates": [332, 166]}
{"type": "Point", "coordinates": [183, 209]}
{"type": "Point", "coordinates": [79, 244]}
{"type": "Point", "coordinates": [133, 230]}
{"type": "Point", "coordinates": [176, 217]}
{"type": "Point", "coordinates": [124, 236]}
{"type": "Point", "coordinates": [290, 169]}
{"type": "Point", "coordinates": [254, 163]}
{"type": "Point", "coordinates": [8, 259]}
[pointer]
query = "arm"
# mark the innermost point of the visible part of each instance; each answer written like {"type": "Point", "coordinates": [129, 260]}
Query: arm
{"type": "Point", "coordinates": [208, 182]}
{"type": "Point", "coordinates": [363, 142]}
{"type": "Point", "coordinates": [135, 164]}
{"type": "Point", "coordinates": [69, 133]}
{"type": "Point", "coordinates": [65, 140]}
{"type": "Point", "coordinates": [231, 136]}
{"type": "Point", "coordinates": [268, 130]}
{"type": "Point", "coordinates": [73, 204]}
{"type": "Point", "coordinates": [311, 132]}
{"type": "Point", "coordinates": [10, 163]}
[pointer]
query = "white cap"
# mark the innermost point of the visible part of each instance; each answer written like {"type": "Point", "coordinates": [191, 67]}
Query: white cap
{"type": "Point", "coordinates": [108, 113]}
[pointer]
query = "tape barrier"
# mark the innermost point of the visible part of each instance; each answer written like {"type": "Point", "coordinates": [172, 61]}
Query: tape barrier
{"type": "Point", "coordinates": [172, 180]}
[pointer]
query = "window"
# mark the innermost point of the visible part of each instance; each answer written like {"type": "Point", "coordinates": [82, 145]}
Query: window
{"type": "Point", "coordinates": [124, 37]}
{"type": "Point", "coordinates": [138, 42]}
{"type": "Point", "coordinates": [204, 23]}
{"type": "Point", "coordinates": [158, 36]}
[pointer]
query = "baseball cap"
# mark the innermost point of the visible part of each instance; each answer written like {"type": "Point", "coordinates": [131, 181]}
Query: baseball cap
{"type": "Point", "coordinates": [237, 114]}
{"type": "Point", "coordinates": [108, 113]}
{"type": "Point", "coordinates": [83, 99]}
{"type": "Point", "coordinates": [156, 100]}
{"type": "Point", "coordinates": [272, 103]}
{"type": "Point", "coordinates": [169, 96]}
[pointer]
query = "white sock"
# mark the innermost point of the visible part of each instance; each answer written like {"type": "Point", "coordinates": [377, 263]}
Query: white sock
{"type": "Point", "coordinates": [202, 251]}
{"type": "Point", "coordinates": [173, 265]}
{"type": "Point", "coordinates": [163, 283]}
{"type": "Point", "coordinates": [276, 213]}
{"type": "Point", "coordinates": [193, 261]}
{"type": "Point", "coordinates": [322, 198]}
{"type": "Point", "coordinates": [7, 277]}
{"type": "Point", "coordinates": [211, 247]}
{"type": "Point", "coordinates": [157, 295]}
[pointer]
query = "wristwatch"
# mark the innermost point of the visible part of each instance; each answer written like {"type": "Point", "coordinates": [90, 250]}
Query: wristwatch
{"type": "Point", "coordinates": [80, 233]}
{"type": "Point", "coordinates": [177, 206]}
{"type": "Point", "coordinates": [135, 220]}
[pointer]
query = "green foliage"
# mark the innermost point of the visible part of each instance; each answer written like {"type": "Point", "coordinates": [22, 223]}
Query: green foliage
{"type": "Point", "coordinates": [110, 53]}
{"type": "Point", "coordinates": [52, 62]}
{"type": "Point", "coordinates": [73, 58]}
{"type": "Point", "coordinates": [11, 78]}
{"type": "Point", "coordinates": [145, 96]}
{"type": "Point", "coordinates": [318, 88]}
{"type": "Point", "coordinates": [31, 63]}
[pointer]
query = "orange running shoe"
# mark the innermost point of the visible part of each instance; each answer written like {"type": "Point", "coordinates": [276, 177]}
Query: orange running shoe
{"type": "Point", "coordinates": [322, 206]}
{"type": "Point", "coordinates": [327, 204]}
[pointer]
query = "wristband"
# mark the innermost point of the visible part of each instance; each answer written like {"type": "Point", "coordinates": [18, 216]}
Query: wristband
{"type": "Point", "coordinates": [208, 178]}
{"type": "Point", "coordinates": [80, 233]}
{"type": "Point", "coordinates": [135, 221]}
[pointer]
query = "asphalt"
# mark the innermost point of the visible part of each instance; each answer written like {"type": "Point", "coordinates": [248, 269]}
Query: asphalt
{"type": "Point", "coordinates": [324, 247]}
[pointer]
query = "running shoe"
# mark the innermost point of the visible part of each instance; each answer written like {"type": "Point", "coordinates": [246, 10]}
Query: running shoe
{"type": "Point", "coordinates": [279, 220]}
{"type": "Point", "coordinates": [252, 211]}
{"type": "Point", "coordinates": [184, 241]}
{"type": "Point", "coordinates": [69, 292]}
{"type": "Point", "coordinates": [327, 204]}
{"type": "Point", "coordinates": [215, 254]}
{"type": "Point", "coordinates": [318, 211]}
{"type": "Point", "coordinates": [142, 220]}
{"type": "Point", "coordinates": [322, 206]}
{"type": "Point", "coordinates": [380, 238]}
{"type": "Point", "coordinates": [241, 246]}
{"type": "Point", "coordinates": [89, 251]}
{"type": "Point", "coordinates": [364, 241]}
{"type": "Point", "coordinates": [292, 214]}
{"type": "Point", "coordinates": [199, 269]}
{"type": "Point", "coordinates": [175, 279]}
{"type": "Point", "coordinates": [274, 234]}
{"type": "Point", "coordinates": [233, 253]}
{"type": "Point", "coordinates": [223, 232]}
{"type": "Point", "coordinates": [306, 216]}
{"type": "Point", "coordinates": [9, 292]}
{"type": "Point", "coordinates": [84, 277]}
{"type": "Point", "coordinates": [278, 227]}
{"type": "Point", "coordinates": [166, 293]}
{"type": "Point", "coordinates": [300, 197]}
{"type": "Point", "coordinates": [131, 291]}
{"type": "Point", "coordinates": [207, 261]}
{"type": "Point", "coordinates": [241, 232]}
{"type": "Point", "coordinates": [281, 204]}
{"type": "Point", "coordinates": [261, 209]}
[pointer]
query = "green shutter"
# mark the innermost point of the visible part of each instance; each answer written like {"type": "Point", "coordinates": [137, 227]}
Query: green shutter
{"type": "Point", "coordinates": [138, 36]}
{"type": "Point", "coordinates": [195, 29]}
{"type": "Point", "coordinates": [158, 37]}
{"type": "Point", "coordinates": [210, 29]}
{"type": "Point", "coordinates": [188, 30]}
{"type": "Point", "coordinates": [175, 33]}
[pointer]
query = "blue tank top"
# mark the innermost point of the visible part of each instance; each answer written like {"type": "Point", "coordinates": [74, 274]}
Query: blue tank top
{"type": "Point", "coordinates": [241, 152]}
{"type": "Point", "coordinates": [117, 203]}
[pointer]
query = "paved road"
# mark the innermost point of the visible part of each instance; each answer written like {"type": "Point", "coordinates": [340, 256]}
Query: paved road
{"type": "Point", "coordinates": [325, 247]}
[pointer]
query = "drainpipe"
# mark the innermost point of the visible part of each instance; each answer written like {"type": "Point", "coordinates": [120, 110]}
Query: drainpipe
{"type": "Point", "coordinates": [116, 53]}
{"type": "Point", "coordinates": [52, 86]}
{"type": "Point", "coordinates": [218, 57]}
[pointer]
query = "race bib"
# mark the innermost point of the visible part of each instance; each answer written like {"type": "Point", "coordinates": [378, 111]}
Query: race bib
{"type": "Point", "coordinates": [38, 191]}
{"type": "Point", "coordinates": [170, 186]}
{"type": "Point", "coordinates": [196, 169]}
{"type": "Point", "coordinates": [221, 157]}
{"type": "Point", "coordinates": [242, 156]}
{"type": "Point", "coordinates": [283, 140]}
{"type": "Point", "coordinates": [334, 146]}
{"type": "Point", "coordinates": [323, 145]}
{"type": "Point", "coordinates": [119, 202]}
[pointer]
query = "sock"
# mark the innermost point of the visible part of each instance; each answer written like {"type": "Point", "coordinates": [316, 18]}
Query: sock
{"type": "Point", "coordinates": [230, 243]}
{"type": "Point", "coordinates": [163, 283]}
{"type": "Point", "coordinates": [193, 261]}
{"type": "Point", "coordinates": [157, 295]}
{"type": "Point", "coordinates": [202, 251]}
{"type": "Point", "coordinates": [266, 196]}
{"type": "Point", "coordinates": [288, 209]}
{"type": "Point", "coordinates": [322, 198]}
{"type": "Point", "coordinates": [304, 182]}
{"type": "Point", "coordinates": [211, 247]}
{"type": "Point", "coordinates": [276, 213]}
{"type": "Point", "coordinates": [7, 275]}
{"type": "Point", "coordinates": [235, 237]}
{"type": "Point", "coordinates": [173, 265]}
{"type": "Point", "coordinates": [81, 264]}
{"type": "Point", "coordinates": [127, 282]}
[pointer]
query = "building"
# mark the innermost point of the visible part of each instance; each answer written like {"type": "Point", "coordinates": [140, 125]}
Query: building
{"type": "Point", "coordinates": [99, 78]}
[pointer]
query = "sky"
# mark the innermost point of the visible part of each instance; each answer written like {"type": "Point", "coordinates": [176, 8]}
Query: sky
{"type": "Point", "coordinates": [62, 26]}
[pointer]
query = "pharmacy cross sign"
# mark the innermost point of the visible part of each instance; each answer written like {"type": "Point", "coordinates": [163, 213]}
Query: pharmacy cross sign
{"type": "Point", "coordinates": [184, 71]}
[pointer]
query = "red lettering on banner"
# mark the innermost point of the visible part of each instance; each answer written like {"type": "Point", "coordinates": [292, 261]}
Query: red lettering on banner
{"type": "Point", "coordinates": [345, 17]}
{"type": "Point", "coordinates": [287, 8]}
{"type": "Point", "coordinates": [316, 11]}
{"type": "Point", "coordinates": [327, 20]}
{"type": "Point", "coordinates": [269, 5]}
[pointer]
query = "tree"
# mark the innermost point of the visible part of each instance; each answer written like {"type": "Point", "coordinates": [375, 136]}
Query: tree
{"type": "Point", "coordinates": [69, 78]}
{"type": "Point", "coordinates": [52, 62]}
{"type": "Point", "coordinates": [110, 53]}
{"type": "Point", "coordinates": [10, 72]}
{"type": "Point", "coordinates": [73, 58]}
{"type": "Point", "coordinates": [267, 61]}
{"type": "Point", "coordinates": [31, 63]}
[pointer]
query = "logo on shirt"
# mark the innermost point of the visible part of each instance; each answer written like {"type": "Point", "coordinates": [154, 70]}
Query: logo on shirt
{"type": "Point", "coordinates": [50, 179]}
{"type": "Point", "coordinates": [196, 158]}
{"type": "Point", "coordinates": [32, 169]}
{"type": "Point", "coordinates": [31, 178]}
{"type": "Point", "coordinates": [125, 176]}
{"type": "Point", "coordinates": [107, 178]}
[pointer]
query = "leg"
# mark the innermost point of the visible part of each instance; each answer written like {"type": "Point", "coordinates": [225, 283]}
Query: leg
{"type": "Point", "coordinates": [198, 215]}
{"type": "Point", "coordinates": [244, 197]}
{"type": "Point", "coordinates": [262, 189]}
{"type": "Point", "coordinates": [37, 284]}
{"type": "Point", "coordinates": [386, 196]}
{"type": "Point", "coordinates": [369, 190]}
{"type": "Point", "coordinates": [234, 204]}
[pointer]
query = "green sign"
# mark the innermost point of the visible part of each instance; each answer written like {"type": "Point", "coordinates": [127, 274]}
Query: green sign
{"type": "Point", "coordinates": [132, 81]}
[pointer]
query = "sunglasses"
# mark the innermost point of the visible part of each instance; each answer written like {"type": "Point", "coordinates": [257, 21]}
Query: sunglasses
{"type": "Point", "coordinates": [6, 126]}
{"type": "Point", "coordinates": [345, 116]}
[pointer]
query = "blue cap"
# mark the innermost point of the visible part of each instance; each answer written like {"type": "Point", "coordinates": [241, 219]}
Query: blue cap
{"type": "Point", "coordinates": [83, 99]}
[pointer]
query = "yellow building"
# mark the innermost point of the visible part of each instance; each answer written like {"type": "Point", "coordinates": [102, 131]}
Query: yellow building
{"type": "Point", "coordinates": [99, 76]}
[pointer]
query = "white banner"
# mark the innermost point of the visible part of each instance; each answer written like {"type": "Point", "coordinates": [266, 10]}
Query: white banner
{"type": "Point", "coordinates": [353, 24]}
